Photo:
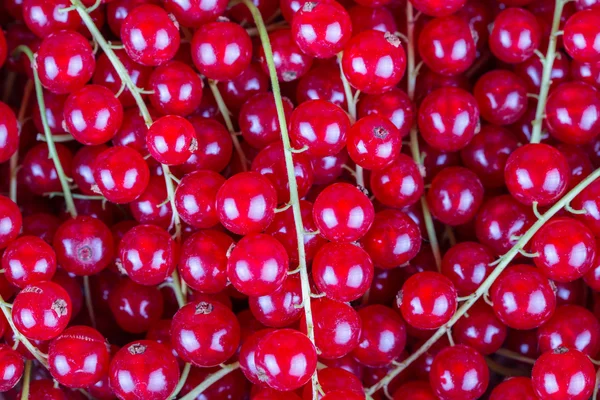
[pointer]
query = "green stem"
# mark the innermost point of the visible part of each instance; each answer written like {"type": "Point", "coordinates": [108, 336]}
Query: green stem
{"type": "Point", "coordinates": [484, 287]}
{"type": "Point", "coordinates": [26, 380]}
{"type": "Point", "coordinates": [289, 164]}
{"type": "Point", "coordinates": [184, 375]}
{"type": "Point", "coordinates": [193, 394]}
{"type": "Point", "coordinates": [227, 118]}
{"type": "Point", "coordinates": [548, 63]}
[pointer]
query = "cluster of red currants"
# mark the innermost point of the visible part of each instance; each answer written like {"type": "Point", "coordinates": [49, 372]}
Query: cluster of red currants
{"type": "Point", "coordinates": [300, 199]}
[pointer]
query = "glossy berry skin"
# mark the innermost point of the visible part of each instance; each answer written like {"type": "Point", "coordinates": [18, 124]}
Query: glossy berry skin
{"type": "Point", "coordinates": [537, 173]}
{"type": "Point", "coordinates": [258, 120]}
{"type": "Point", "coordinates": [258, 265]}
{"type": "Point", "coordinates": [11, 221]}
{"type": "Point", "coordinates": [39, 172]}
{"type": "Point", "coordinates": [193, 14]}
{"type": "Point", "coordinates": [11, 367]}
{"type": "Point", "coordinates": [373, 61]}
{"type": "Point", "coordinates": [290, 62]}
{"type": "Point", "coordinates": [322, 84]}
{"type": "Point", "coordinates": [427, 300]}
{"type": "Point", "coordinates": [150, 207]}
{"type": "Point", "coordinates": [65, 62]}
{"type": "Point", "coordinates": [337, 327]}
{"type": "Point", "coordinates": [250, 82]}
{"type": "Point", "coordinates": [134, 370]}
{"type": "Point", "coordinates": [393, 104]}
{"type": "Point", "coordinates": [148, 254]}
{"type": "Point", "coordinates": [487, 152]}
{"type": "Point", "coordinates": [438, 8]}
{"type": "Point", "coordinates": [343, 213]}
{"type": "Point", "coordinates": [84, 245]}
{"type": "Point", "coordinates": [171, 140]}
{"type": "Point", "coordinates": [214, 146]}
{"type": "Point", "coordinates": [248, 353]}
{"type": "Point", "coordinates": [343, 271]}
{"type": "Point", "coordinates": [500, 221]}
{"type": "Point", "coordinates": [177, 89]}
{"type": "Point", "coordinates": [467, 264]}
{"type": "Point", "coordinates": [501, 96]}
{"type": "Point", "coordinates": [455, 195]}
{"type": "Point", "coordinates": [448, 118]}
{"type": "Point", "coordinates": [522, 297]}
{"type": "Point", "coordinates": [393, 239]}
{"type": "Point", "coordinates": [336, 380]}
{"type": "Point", "coordinates": [323, 136]}
{"type": "Point", "coordinates": [246, 203]}
{"type": "Point", "coordinates": [203, 261]}
{"type": "Point", "coordinates": [480, 329]}
{"type": "Point", "coordinates": [373, 142]}
{"type": "Point", "coordinates": [121, 182]}
{"type": "Point", "coordinates": [9, 132]}
{"type": "Point", "coordinates": [398, 185]}
{"type": "Point", "coordinates": [135, 307]}
{"type": "Point", "coordinates": [573, 327]}
{"type": "Point", "coordinates": [28, 260]}
{"type": "Point", "coordinates": [581, 35]}
{"type": "Point", "coordinates": [280, 308]}
{"type": "Point", "coordinates": [515, 36]}
{"type": "Point", "coordinates": [459, 373]}
{"type": "Point", "coordinates": [44, 17]}
{"type": "Point", "coordinates": [566, 248]}
{"type": "Point", "coordinates": [286, 359]}
{"type": "Point", "coordinates": [575, 381]}
{"type": "Point", "coordinates": [446, 45]}
{"type": "Point", "coordinates": [514, 388]}
{"type": "Point", "coordinates": [195, 198]}
{"type": "Point", "coordinates": [572, 113]}
{"type": "Point", "coordinates": [383, 336]}
{"type": "Point", "coordinates": [221, 50]}
{"type": "Point", "coordinates": [83, 162]}
{"type": "Point", "coordinates": [149, 36]}
{"type": "Point", "coordinates": [321, 29]}
{"type": "Point", "coordinates": [79, 357]}
{"type": "Point", "coordinates": [93, 115]}
{"type": "Point", "coordinates": [205, 333]}
{"type": "Point", "coordinates": [42, 310]}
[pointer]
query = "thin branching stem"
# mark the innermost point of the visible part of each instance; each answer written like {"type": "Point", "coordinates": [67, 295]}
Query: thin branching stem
{"type": "Point", "coordinates": [26, 381]}
{"type": "Point", "coordinates": [184, 375]}
{"type": "Point", "coordinates": [485, 286]}
{"type": "Point", "coordinates": [226, 369]}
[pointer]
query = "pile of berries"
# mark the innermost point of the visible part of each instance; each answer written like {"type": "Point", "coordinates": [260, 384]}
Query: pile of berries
{"type": "Point", "coordinates": [299, 199]}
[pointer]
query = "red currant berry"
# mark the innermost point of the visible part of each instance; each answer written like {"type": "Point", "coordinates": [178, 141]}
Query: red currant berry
{"type": "Point", "coordinates": [143, 369]}
{"type": "Point", "coordinates": [575, 381]}
{"type": "Point", "coordinates": [121, 182]}
{"type": "Point", "coordinates": [467, 264]}
{"type": "Point", "coordinates": [46, 17]}
{"type": "Point", "coordinates": [205, 333]}
{"type": "Point", "coordinates": [176, 89]}
{"type": "Point", "coordinates": [246, 203]}
{"type": "Point", "coordinates": [438, 8]}
{"type": "Point", "coordinates": [373, 142]}
{"type": "Point", "coordinates": [383, 336]}
{"type": "Point", "coordinates": [447, 46]}
{"type": "Point", "coordinates": [280, 308]}
{"type": "Point", "coordinates": [237, 91]}
{"type": "Point", "coordinates": [41, 311]}
{"type": "Point", "coordinates": [321, 29]}
{"type": "Point", "coordinates": [514, 388]}
{"type": "Point", "coordinates": [258, 265]}
{"type": "Point", "coordinates": [459, 372]}
{"type": "Point", "coordinates": [320, 126]}
{"type": "Point", "coordinates": [258, 120]}
{"type": "Point", "coordinates": [149, 35]}
{"type": "Point", "coordinates": [9, 132]}
{"type": "Point", "coordinates": [563, 70]}
{"type": "Point", "coordinates": [480, 329]}
{"type": "Point", "coordinates": [214, 146]}
{"type": "Point", "coordinates": [28, 260]}
{"type": "Point", "coordinates": [427, 300]}
{"type": "Point", "coordinates": [221, 50]}
{"type": "Point", "coordinates": [414, 390]}
{"type": "Point", "coordinates": [11, 368]}
{"type": "Point", "coordinates": [393, 104]}
{"type": "Point", "coordinates": [135, 307]}
{"type": "Point", "coordinates": [79, 357]}
{"type": "Point", "coordinates": [501, 96]}
{"type": "Point", "coordinates": [398, 185]}
{"type": "Point", "coordinates": [84, 245]}
{"type": "Point", "coordinates": [581, 35]}
{"type": "Point", "coordinates": [195, 198]}
{"type": "Point", "coordinates": [150, 207]}
{"type": "Point", "coordinates": [589, 201]}
{"type": "Point", "coordinates": [537, 173]}
{"type": "Point", "coordinates": [39, 172]}
{"type": "Point", "coordinates": [195, 13]}
{"type": "Point", "coordinates": [343, 213]}
{"type": "Point", "coordinates": [515, 35]}
{"type": "Point", "coordinates": [573, 327]}
{"type": "Point", "coordinates": [83, 163]}
{"type": "Point", "coordinates": [373, 61]}
{"type": "Point", "coordinates": [322, 83]}
{"type": "Point", "coordinates": [334, 381]}
{"type": "Point", "coordinates": [290, 62]}
{"type": "Point", "coordinates": [343, 271]}
{"type": "Point", "coordinates": [93, 115]}
{"type": "Point", "coordinates": [248, 355]}
{"type": "Point", "coordinates": [522, 297]}
{"type": "Point", "coordinates": [171, 140]}
{"type": "Point", "coordinates": [285, 359]}
{"type": "Point", "coordinates": [65, 62]}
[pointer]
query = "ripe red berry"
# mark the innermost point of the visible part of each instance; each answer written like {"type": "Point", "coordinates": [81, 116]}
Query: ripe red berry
{"type": "Point", "coordinates": [398, 185]}
{"type": "Point", "coordinates": [515, 35]}
{"type": "Point", "coordinates": [438, 8]}
{"type": "Point", "coordinates": [280, 308]}
{"type": "Point", "coordinates": [176, 89]}
{"type": "Point", "coordinates": [459, 372]}
{"type": "Point", "coordinates": [515, 387]}
{"type": "Point", "coordinates": [121, 182]}
{"type": "Point", "coordinates": [467, 264]}
{"type": "Point", "coordinates": [28, 260]}
{"type": "Point", "coordinates": [11, 368]}
{"type": "Point", "coordinates": [195, 13]}
{"type": "Point", "coordinates": [135, 307]}
{"type": "Point", "coordinates": [195, 198]}
{"type": "Point", "coordinates": [480, 329]}
{"type": "Point", "coordinates": [581, 33]}
{"type": "Point", "coordinates": [171, 140]}
{"type": "Point", "coordinates": [9, 132]}
{"type": "Point", "coordinates": [501, 96]}
{"type": "Point", "coordinates": [573, 327]}
{"type": "Point", "coordinates": [373, 142]}
{"type": "Point", "coordinates": [290, 62]}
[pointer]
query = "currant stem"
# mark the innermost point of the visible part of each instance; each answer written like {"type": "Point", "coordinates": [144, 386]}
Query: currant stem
{"type": "Point", "coordinates": [412, 72]}
{"type": "Point", "coordinates": [14, 159]}
{"type": "Point", "coordinates": [184, 375]}
{"type": "Point", "coordinates": [484, 287]}
{"type": "Point", "coordinates": [26, 380]}
{"type": "Point", "coordinates": [227, 118]}
{"type": "Point", "coordinates": [289, 164]}
{"type": "Point", "coordinates": [193, 394]}
{"type": "Point", "coordinates": [548, 63]}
